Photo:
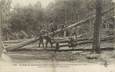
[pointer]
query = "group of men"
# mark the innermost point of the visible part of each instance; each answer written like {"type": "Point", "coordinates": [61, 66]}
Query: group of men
{"type": "Point", "coordinates": [47, 39]}
{"type": "Point", "coordinates": [44, 41]}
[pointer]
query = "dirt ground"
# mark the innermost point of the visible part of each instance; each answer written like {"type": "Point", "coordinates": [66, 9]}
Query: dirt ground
{"type": "Point", "coordinates": [80, 64]}
{"type": "Point", "coordinates": [70, 61]}
{"type": "Point", "coordinates": [58, 62]}
{"type": "Point", "coordinates": [78, 57]}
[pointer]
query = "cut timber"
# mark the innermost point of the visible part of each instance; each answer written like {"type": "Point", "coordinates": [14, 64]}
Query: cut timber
{"type": "Point", "coordinates": [57, 31]}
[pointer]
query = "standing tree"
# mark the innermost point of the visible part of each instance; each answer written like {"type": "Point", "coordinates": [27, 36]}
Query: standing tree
{"type": "Point", "coordinates": [96, 39]}
{"type": "Point", "coordinates": [4, 8]}
{"type": "Point", "coordinates": [1, 45]}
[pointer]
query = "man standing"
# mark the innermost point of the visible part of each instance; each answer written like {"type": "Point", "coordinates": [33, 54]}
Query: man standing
{"type": "Point", "coordinates": [41, 41]}
{"type": "Point", "coordinates": [73, 40]}
{"type": "Point", "coordinates": [48, 41]}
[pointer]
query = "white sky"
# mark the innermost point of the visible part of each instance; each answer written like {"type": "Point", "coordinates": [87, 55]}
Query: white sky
{"type": "Point", "coordinates": [26, 2]}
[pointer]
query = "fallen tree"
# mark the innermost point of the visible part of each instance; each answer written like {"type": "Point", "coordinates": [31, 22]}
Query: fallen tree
{"type": "Point", "coordinates": [62, 50]}
{"type": "Point", "coordinates": [79, 42]}
{"type": "Point", "coordinates": [24, 43]}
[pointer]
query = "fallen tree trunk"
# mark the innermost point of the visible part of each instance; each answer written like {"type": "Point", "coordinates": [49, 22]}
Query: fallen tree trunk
{"type": "Point", "coordinates": [62, 50]}
{"type": "Point", "coordinates": [22, 44]}
{"type": "Point", "coordinates": [81, 42]}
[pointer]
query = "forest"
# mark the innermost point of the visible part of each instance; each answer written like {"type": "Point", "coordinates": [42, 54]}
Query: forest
{"type": "Point", "coordinates": [28, 21]}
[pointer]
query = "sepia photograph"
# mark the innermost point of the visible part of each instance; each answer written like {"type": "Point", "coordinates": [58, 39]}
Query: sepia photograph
{"type": "Point", "coordinates": [57, 35]}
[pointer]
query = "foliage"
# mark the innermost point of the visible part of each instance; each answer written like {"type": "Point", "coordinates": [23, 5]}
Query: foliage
{"type": "Point", "coordinates": [33, 18]}
{"type": "Point", "coordinates": [29, 18]}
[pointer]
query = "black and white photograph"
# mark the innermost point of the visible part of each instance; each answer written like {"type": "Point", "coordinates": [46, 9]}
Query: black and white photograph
{"type": "Point", "coordinates": [57, 35]}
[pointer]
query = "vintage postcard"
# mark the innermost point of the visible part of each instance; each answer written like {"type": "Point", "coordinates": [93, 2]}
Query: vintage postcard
{"type": "Point", "coordinates": [57, 36]}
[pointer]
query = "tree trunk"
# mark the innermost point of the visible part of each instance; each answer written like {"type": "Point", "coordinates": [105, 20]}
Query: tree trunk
{"type": "Point", "coordinates": [22, 44]}
{"type": "Point", "coordinates": [96, 39]}
{"type": "Point", "coordinates": [1, 44]}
